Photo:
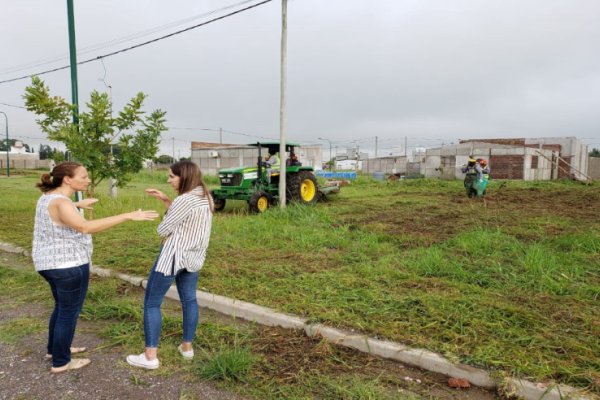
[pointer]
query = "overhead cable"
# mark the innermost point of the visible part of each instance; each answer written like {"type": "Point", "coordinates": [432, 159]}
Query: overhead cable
{"type": "Point", "coordinates": [116, 41]}
{"type": "Point", "coordinates": [140, 44]}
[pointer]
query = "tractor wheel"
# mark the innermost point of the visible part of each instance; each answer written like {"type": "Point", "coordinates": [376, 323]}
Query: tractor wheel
{"type": "Point", "coordinates": [259, 202]}
{"type": "Point", "coordinates": [302, 187]}
{"type": "Point", "coordinates": [218, 203]}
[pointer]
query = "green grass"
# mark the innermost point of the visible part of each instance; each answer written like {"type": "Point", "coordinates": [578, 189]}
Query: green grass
{"type": "Point", "coordinates": [228, 363]}
{"type": "Point", "coordinates": [512, 286]}
{"type": "Point", "coordinates": [242, 358]}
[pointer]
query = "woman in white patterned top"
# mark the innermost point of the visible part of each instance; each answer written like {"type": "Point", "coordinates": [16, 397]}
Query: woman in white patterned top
{"type": "Point", "coordinates": [185, 232]}
{"type": "Point", "coordinates": [62, 251]}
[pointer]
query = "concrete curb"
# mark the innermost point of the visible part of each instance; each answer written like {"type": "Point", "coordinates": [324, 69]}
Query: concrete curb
{"type": "Point", "coordinates": [416, 357]}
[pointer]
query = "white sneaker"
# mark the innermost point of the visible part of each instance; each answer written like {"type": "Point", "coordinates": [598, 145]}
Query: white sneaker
{"type": "Point", "coordinates": [188, 355]}
{"type": "Point", "coordinates": [142, 362]}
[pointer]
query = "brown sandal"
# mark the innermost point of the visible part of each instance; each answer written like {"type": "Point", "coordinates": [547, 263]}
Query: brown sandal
{"type": "Point", "coordinates": [75, 363]}
{"type": "Point", "coordinates": [74, 350]}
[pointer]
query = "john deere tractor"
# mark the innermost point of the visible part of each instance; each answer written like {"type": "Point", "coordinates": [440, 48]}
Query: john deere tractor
{"type": "Point", "coordinates": [254, 185]}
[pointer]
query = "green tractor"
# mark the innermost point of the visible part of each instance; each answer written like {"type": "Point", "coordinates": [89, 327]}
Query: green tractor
{"type": "Point", "coordinates": [259, 186]}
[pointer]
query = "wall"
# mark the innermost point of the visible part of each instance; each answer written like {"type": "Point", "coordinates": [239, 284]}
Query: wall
{"type": "Point", "coordinates": [506, 162]}
{"type": "Point", "coordinates": [24, 163]}
{"type": "Point", "coordinates": [246, 156]}
{"type": "Point", "coordinates": [594, 167]}
{"type": "Point", "coordinates": [574, 163]}
{"type": "Point", "coordinates": [389, 165]}
{"type": "Point", "coordinates": [228, 157]}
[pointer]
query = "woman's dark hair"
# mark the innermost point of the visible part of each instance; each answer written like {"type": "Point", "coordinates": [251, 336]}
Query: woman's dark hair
{"type": "Point", "coordinates": [55, 178]}
{"type": "Point", "coordinates": [190, 177]}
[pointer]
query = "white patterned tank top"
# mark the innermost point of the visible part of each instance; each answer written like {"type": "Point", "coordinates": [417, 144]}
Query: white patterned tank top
{"type": "Point", "coordinates": [56, 246]}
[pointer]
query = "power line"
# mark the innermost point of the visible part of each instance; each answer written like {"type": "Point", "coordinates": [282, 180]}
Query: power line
{"type": "Point", "coordinates": [140, 44]}
{"type": "Point", "coordinates": [12, 105]}
{"type": "Point", "coordinates": [91, 48]}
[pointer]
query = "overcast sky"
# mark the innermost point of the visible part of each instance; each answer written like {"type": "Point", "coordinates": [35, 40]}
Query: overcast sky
{"type": "Point", "coordinates": [432, 71]}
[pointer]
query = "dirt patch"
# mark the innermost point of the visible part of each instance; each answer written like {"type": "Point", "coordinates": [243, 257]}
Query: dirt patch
{"type": "Point", "coordinates": [423, 219]}
{"type": "Point", "coordinates": [291, 355]}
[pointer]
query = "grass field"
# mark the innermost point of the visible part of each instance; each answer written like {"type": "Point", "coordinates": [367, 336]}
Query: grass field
{"type": "Point", "coordinates": [511, 284]}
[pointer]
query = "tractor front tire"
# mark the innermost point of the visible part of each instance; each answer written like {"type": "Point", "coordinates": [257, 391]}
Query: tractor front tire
{"type": "Point", "coordinates": [218, 203]}
{"type": "Point", "coordinates": [259, 202]}
{"type": "Point", "coordinates": [303, 188]}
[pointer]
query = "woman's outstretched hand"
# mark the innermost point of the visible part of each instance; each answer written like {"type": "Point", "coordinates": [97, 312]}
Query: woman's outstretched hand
{"type": "Point", "coordinates": [143, 215]}
{"type": "Point", "coordinates": [158, 194]}
{"type": "Point", "coordinates": [86, 203]}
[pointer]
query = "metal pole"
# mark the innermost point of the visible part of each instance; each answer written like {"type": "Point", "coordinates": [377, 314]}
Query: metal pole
{"type": "Point", "coordinates": [221, 135]}
{"type": "Point", "coordinates": [73, 62]}
{"type": "Point", "coordinates": [282, 156]}
{"type": "Point", "coordinates": [73, 57]}
{"type": "Point", "coordinates": [7, 146]}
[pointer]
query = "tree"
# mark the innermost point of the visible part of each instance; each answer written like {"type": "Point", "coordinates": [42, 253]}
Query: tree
{"type": "Point", "coordinates": [595, 152]}
{"type": "Point", "coordinates": [58, 156]}
{"type": "Point", "coordinates": [44, 151]}
{"type": "Point", "coordinates": [136, 134]}
{"type": "Point", "coordinates": [163, 159]}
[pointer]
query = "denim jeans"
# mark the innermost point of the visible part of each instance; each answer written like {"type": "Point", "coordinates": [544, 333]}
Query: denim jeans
{"type": "Point", "coordinates": [69, 287]}
{"type": "Point", "coordinates": [157, 287]}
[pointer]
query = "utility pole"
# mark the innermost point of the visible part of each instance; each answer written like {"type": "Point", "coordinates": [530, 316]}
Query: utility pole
{"type": "Point", "coordinates": [73, 63]}
{"type": "Point", "coordinates": [375, 146]}
{"type": "Point", "coordinates": [173, 156]}
{"type": "Point", "coordinates": [221, 135]}
{"type": "Point", "coordinates": [282, 156]}
{"type": "Point", "coordinates": [7, 146]}
{"type": "Point", "coordinates": [405, 145]}
{"type": "Point", "coordinates": [73, 58]}
{"type": "Point", "coordinates": [330, 159]}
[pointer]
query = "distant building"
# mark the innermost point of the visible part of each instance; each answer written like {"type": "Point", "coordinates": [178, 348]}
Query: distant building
{"type": "Point", "coordinates": [211, 157]}
{"type": "Point", "coordinates": [520, 158]}
{"type": "Point", "coordinates": [19, 148]}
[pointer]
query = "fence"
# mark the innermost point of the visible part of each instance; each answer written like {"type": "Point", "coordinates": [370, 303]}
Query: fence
{"type": "Point", "coordinates": [25, 164]}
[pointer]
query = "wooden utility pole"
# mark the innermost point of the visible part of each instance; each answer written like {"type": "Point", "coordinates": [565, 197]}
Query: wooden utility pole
{"type": "Point", "coordinates": [283, 88]}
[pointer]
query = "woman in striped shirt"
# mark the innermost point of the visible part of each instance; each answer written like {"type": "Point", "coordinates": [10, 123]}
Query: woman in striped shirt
{"type": "Point", "coordinates": [185, 232]}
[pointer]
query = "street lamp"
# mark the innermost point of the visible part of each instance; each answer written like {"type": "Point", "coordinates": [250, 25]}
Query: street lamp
{"type": "Point", "coordinates": [7, 146]}
{"type": "Point", "coordinates": [330, 159]}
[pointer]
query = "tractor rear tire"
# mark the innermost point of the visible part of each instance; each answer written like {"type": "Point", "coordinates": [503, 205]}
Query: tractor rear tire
{"type": "Point", "coordinates": [218, 203]}
{"type": "Point", "coordinates": [303, 188]}
{"type": "Point", "coordinates": [259, 202]}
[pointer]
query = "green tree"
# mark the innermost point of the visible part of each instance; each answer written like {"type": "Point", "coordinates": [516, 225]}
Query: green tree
{"type": "Point", "coordinates": [595, 152]}
{"type": "Point", "coordinates": [44, 151]}
{"type": "Point", "coordinates": [137, 135]}
{"type": "Point", "coordinates": [58, 156]}
{"type": "Point", "coordinates": [163, 159]}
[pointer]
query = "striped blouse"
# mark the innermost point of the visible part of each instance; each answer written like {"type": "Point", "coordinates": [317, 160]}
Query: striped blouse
{"type": "Point", "coordinates": [56, 246]}
{"type": "Point", "coordinates": [186, 232]}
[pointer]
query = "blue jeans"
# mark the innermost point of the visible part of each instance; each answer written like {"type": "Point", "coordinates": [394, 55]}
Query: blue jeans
{"type": "Point", "coordinates": [157, 287]}
{"type": "Point", "coordinates": [69, 287]}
